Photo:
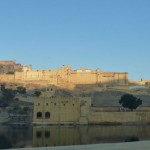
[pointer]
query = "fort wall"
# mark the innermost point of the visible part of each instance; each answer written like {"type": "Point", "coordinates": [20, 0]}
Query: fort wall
{"type": "Point", "coordinates": [7, 77]}
{"type": "Point", "coordinates": [67, 78]}
{"type": "Point", "coordinates": [118, 117]}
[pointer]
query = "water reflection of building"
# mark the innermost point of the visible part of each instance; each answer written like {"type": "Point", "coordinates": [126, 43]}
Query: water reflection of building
{"type": "Point", "coordinates": [55, 136]}
{"type": "Point", "coordinates": [59, 136]}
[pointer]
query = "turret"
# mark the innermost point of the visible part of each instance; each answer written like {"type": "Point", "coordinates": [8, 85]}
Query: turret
{"type": "Point", "coordinates": [27, 68]}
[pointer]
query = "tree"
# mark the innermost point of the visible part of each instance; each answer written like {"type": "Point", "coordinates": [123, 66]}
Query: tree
{"type": "Point", "coordinates": [21, 90]}
{"type": "Point", "coordinates": [37, 93]}
{"type": "Point", "coordinates": [130, 101]}
{"type": "Point", "coordinates": [10, 72]}
{"type": "Point", "coordinates": [7, 96]}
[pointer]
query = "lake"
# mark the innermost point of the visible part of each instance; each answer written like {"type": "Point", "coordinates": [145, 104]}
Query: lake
{"type": "Point", "coordinates": [43, 136]}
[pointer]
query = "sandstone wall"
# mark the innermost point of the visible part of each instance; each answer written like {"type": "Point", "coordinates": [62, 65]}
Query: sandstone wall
{"type": "Point", "coordinates": [117, 109]}
{"type": "Point", "coordinates": [66, 78]}
{"type": "Point", "coordinates": [62, 110]}
{"type": "Point", "coordinates": [118, 117]}
{"type": "Point", "coordinates": [7, 77]}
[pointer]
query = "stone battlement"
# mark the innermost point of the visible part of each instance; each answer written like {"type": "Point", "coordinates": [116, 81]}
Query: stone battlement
{"type": "Point", "coordinates": [66, 77]}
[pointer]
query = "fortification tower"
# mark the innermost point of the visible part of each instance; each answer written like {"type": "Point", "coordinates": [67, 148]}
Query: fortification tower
{"type": "Point", "coordinates": [49, 92]}
{"type": "Point", "coordinates": [27, 68]}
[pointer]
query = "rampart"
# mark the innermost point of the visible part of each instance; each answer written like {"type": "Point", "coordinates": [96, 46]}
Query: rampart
{"type": "Point", "coordinates": [65, 77]}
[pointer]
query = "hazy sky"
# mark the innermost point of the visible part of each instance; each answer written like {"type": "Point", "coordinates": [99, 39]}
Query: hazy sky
{"type": "Point", "coordinates": [113, 35]}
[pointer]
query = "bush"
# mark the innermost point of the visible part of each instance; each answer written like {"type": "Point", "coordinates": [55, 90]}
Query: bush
{"type": "Point", "coordinates": [130, 101]}
{"type": "Point", "coordinates": [21, 90]}
{"type": "Point", "coordinates": [8, 94]}
{"type": "Point", "coordinates": [10, 72]}
{"type": "Point", "coordinates": [37, 93]}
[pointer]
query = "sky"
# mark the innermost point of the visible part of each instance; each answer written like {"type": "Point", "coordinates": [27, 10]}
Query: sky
{"type": "Point", "coordinates": [112, 35]}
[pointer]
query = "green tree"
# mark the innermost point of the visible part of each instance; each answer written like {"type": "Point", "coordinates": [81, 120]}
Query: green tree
{"type": "Point", "coordinates": [21, 90]}
{"type": "Point", "coordinates": [130, 101]}
{"type": "Point", "coordinates": [10, 72]}
{"type": "Point", "coordinates": [7, 96]}
{"type": "Point", "coordinates": [37, 93]}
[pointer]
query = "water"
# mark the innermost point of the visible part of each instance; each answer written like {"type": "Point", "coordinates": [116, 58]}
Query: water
{"type": "Point", "coordinates": [39, 136]}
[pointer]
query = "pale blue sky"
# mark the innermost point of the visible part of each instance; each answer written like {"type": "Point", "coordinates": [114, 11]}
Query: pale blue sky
{"type": "Point", "coordinates": [113, 35]}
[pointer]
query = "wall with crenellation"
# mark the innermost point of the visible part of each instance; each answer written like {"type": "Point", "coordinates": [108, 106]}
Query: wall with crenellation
{"type": "Point", "coordinates": [66, 77]}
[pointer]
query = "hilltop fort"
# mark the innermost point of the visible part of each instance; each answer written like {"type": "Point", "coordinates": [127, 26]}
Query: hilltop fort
{"type": "Point", "coordinates": [63, 77]}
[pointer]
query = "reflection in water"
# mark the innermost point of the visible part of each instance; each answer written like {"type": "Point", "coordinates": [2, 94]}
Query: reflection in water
{"type": "Point", "coordinates": [56, 136]}
{"type": "Point", "coordinates": [5, 142]}
{"type": "Point", "coordinates": [42, 136]}
{"type": "Point", "coordinates": [132, 139]}
{"type": "Point", "coordinates": [53, 136]}
{"type": "Point", "coordinates": [11, 137]}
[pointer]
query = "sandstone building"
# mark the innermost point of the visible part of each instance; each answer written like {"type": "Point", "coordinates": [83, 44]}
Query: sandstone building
{"type": "Point", "coordinates": [63, 77]}
{"type": "Point", "coordinates": [79, 76]}
{"type": "Point", "coordinates": [74, 77]}
{"type": "Point", "coordinates": [79, 110]}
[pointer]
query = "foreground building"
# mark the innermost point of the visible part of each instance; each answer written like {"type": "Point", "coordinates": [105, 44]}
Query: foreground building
{"type": "Point", "coordinates": [79, 110]}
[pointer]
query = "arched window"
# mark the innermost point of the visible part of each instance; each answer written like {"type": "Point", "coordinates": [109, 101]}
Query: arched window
{"type": "Point", "coordinates": [38, 134]}
{"type": "Point", "coordinates": [47, 134]}
{"type": "Point", "coordinates": [47, 115]}
{"type": "Point", "coordinates": [39, 115]}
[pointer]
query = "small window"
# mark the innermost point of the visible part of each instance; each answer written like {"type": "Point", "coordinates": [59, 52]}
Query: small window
{"type": "Point", "coordinates": [38, 104]}
{"type": "Point", "coordinates": [51, 89]}
{"type": "Point", "coordinates": [64, 104]}
{"type": "Point", "coordinates": [46, 104]}
{"type": "Point", "coordinates": [72, 104]}
{"type": "Point", "coordinates": [47, 134]}
{"type": "Point", "coordinates": [47, 115]}
{"type": "Point", "coordinates": [55, 104]}
{"type": "Point", "coordinates": [39, 115]}
{"type": "Point", "coordinates": [47, 89]}
{"type": "Point", "coordinates": [38, 134]}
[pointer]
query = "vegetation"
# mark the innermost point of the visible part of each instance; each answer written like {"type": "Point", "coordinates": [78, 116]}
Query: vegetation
{"type": "Point", "coordinates": [130, 101]}
{"type": "Point", "coordinates": [37, 93]}
{"type": "Point", "coordinates": [21, 90]}
{"type": "Point", "coordinates": [10, 72]}
{"type": "Point", "coordinates": [8, 96]}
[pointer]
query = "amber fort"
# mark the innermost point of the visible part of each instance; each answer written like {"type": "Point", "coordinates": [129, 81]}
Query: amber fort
{"type": "Point", "coordinates": [51, 108]}
{"type": "Point", "coordinates": [61, 76]}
